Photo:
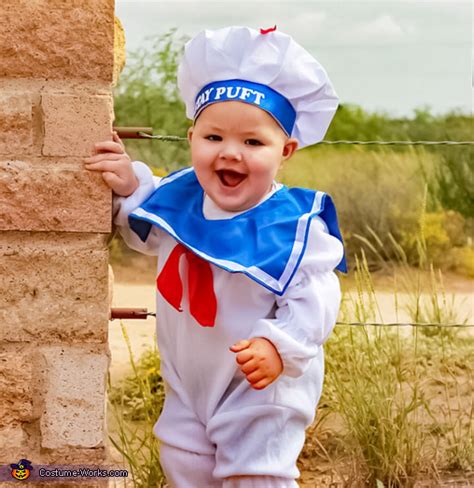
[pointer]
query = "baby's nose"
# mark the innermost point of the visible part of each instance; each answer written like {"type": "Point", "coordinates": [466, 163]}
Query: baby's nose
{"type": "Point", "coordinates": [231, 152]}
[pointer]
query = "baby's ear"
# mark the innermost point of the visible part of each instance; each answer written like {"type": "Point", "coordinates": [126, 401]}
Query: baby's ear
{"type": "Point", "coordinates": [190, 134]}
{"type": "Point", "coordinates": [291, 145]}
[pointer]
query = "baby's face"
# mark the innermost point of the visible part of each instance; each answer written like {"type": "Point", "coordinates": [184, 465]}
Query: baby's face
{"type": "Point", "coordinates": [236, 151]}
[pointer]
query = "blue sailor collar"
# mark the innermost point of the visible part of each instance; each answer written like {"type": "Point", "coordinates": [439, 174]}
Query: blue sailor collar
{"type": "Point", "coordinates": [266, 243]}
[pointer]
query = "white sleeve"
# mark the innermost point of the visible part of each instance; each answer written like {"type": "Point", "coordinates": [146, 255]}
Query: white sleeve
{"type": "Point", "coordinates": [308, 310]}
{"type": "Point", "coordinates": [123, 206]}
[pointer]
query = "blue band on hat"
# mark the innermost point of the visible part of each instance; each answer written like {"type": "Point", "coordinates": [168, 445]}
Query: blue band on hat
{"type": "Point", "coordinates": [256, 94]}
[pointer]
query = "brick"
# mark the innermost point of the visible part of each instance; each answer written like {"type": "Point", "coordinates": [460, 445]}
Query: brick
{"type": "Point", "coordinates": [72, 425]}
{"type": "Point", "coordinates": [74, 407]}
{"type": "Point", "coordinates": [75, 376]}
{"type": "Point", "coordinates": [13, 440]}
{"type": "Point", "coordinates": [71, 455]}
{"type": "Point", "coordinates": [72, 123]}
{"type": "Point", "coordinates": [16, 122]}
{"type": "Point", "coordinates": [16, 386]}
{"type": "Point", "coordinates": [53, 287]}
{"type": "Point", "coordinates": [53, 199]}
{"type": "Point", "coordinates": [54, 39]}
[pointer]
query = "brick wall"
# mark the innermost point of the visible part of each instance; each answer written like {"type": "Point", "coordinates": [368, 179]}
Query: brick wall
{"type": "Point", "coordinates": [56, 65]}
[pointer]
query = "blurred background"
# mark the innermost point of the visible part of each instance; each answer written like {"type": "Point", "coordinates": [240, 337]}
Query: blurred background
{"type": "Point", "coordinates": [402, 70]}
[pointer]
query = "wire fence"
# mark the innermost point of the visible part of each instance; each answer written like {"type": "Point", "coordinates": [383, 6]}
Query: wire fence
{"type": "Point", "coordinates": [141, 313]}
{"type": "Point", "coordinates": [340, 142]}
{"type": "Point", "coordinates": [403, 324]}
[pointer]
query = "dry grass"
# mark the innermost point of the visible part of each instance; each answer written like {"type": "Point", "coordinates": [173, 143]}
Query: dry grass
{"type": "Point", "coordinates": [397, 405]}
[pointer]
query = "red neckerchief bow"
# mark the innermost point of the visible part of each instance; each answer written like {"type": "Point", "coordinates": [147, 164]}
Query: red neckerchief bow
{"type": "Point", "coordinates": [202, 299]}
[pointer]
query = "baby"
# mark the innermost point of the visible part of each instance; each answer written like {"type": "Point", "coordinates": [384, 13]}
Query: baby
{"type": "Point", "coordinates": [246, 289]}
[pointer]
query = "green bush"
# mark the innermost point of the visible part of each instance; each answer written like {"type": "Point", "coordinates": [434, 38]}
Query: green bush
{"type": "Point", "coordinates": [383, 195]}
{"type": "Point", "coordinates": [461, 260]}
{"type": "Point", "coordinates": [147, 95]}
{"type": "Point", "coordinates": [382, 190]}
{"type": "Point", "coordinates": [455, 180]}
{"type": "Point", "coordinates": [442, 232]}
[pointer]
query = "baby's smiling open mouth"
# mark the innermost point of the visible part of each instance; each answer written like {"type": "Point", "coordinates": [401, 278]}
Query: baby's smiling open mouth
{"type": "Point", "coordinates": [230, 177]}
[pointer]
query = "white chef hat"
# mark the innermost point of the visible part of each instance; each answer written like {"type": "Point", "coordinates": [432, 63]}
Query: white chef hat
{"type": "Point", "coordinates": [267, 69]}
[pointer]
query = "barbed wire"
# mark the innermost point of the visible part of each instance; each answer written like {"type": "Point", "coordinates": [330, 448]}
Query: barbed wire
{"type": "Point", "coordinates": [402, 324]}
{"type": "Point", "coordinates": [163, 138]}
{"type": "Point", "coordinates": [362, 143]}
{"type": "Point", "coordinates": [355, 324]}
{"type": "Point", "coordinates": [403, 143]}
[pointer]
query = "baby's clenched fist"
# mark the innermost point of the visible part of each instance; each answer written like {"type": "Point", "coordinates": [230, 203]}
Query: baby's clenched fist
{"type": "Point", "coordinates": [110, 158]}
{"type": "Point", "coordinates": [259, 360]}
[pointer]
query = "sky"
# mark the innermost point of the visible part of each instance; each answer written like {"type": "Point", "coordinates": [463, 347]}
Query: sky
{"type": "Point", "coordinates": [388, 56]}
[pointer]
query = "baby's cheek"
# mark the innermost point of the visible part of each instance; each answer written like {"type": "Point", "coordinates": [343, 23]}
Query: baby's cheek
{"type": "Point", "coordinates": [266, 170]}
{"type": "Point", "coordinates": [203, 174]}
{"type": "Point", "coordinates": [262, 183]}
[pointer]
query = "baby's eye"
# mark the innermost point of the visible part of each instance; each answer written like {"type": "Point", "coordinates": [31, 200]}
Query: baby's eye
{"type": "Point", "coordinates": [213, 137]}
{"type": "Point", "coordinates": [253, 142]}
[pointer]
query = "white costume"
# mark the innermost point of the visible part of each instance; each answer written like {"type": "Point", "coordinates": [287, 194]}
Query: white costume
{"type": "Point", "coordinates": [210, 407]}
{"type": "Point", "coordinates": [214, 425]}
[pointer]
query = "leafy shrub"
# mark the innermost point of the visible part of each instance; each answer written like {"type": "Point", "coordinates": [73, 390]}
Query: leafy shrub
{"type": "Point", "coordinates": [461, 260]}
{"type": "Point", "coordinates": [382, 190]}
{"type": "Point", "coordinates": [147, 95]}
{"type": "Point", "coordinates": [455, 179]}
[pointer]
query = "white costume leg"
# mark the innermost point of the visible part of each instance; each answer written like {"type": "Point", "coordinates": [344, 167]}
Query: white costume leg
{"type": "Point", "coordinates": [186, 455]}
{"type": "Point", "coordinates": [259, 482]}
{"type": "Point", "coordinates": [186, 469]}
{"type": "Point", "coordinates": [260, 440]}
{"type": "Point", "coordinates": [261, 433]}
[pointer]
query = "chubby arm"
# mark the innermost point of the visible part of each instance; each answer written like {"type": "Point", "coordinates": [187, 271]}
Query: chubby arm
{"type": "Point", "coordinates": [304, 320]}
{"type": "Point", "coordinates": [131, 183]}
{"type": "Point", "coordinates": [306, 313]}
{"type": "Point", "coordinates": [124, 206]}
